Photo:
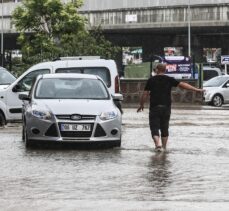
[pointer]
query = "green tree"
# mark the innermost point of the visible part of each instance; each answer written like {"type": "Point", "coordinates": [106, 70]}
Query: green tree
{"type": "Point", "coordinates": [50, 28]}
{"type": "Point", "coordinates": [90, 42]}
{"type": "Point", "coordinates": [44, 25]}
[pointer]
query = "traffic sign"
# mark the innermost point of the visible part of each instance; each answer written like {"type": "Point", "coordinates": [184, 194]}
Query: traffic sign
{"type": "Point", "coordinates": [225, 59]}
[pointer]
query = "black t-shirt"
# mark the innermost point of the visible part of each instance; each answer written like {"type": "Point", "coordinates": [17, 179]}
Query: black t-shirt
{"type": "Point", "coordinates": [160, 87]}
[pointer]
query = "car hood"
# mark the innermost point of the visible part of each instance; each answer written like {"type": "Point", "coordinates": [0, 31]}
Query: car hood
{"type": "Point", "coordinates": [68, 106]}
{"type": "Point", "coordinates": [209, 88]}
{"type": "Point", "coordinates": [2, 87]}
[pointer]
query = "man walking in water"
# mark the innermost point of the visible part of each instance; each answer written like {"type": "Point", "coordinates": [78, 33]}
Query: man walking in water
{"type": "Point", "coordinates": [159, 88]}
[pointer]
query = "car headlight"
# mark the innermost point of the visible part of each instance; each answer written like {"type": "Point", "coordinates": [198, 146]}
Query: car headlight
{"type": "Point", "coordinates": [108, 115]}
{"type": "Point", "coordinates": [45, 115]}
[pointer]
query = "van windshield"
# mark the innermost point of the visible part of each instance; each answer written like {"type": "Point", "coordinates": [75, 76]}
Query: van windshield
{"type": "Point", "coordinates": [6, 78]}
{"type": "Point", "coordinates": [102, 72]}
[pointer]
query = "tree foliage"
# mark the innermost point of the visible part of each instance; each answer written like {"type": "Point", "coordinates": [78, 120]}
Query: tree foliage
{"type": "Point", "coordinates": [90, 43]}
{"type": "Point", "coordinates": [50, 28]}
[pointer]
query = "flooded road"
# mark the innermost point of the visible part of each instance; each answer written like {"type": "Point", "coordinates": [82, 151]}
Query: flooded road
{"type": "Point", "coordinates": [192, 175]}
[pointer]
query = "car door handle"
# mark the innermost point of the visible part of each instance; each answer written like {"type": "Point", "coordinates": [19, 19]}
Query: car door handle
{"type": "Point", "coordinates": [2, 97]}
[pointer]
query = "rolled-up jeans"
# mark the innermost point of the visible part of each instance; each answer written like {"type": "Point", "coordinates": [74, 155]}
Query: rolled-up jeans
{"type": "Point", "coordinates": [159, 117]}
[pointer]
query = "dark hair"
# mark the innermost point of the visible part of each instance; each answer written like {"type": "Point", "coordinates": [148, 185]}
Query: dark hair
{"type": "Point", "coordinates": [161, 67]}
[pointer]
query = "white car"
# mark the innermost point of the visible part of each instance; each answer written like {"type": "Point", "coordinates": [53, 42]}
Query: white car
{"type": "Point", "coordinates": [11, 105]}
{"type": "Point", "coordinates": [71, 108]}
{"type": "Point", "coordinates": [6, 78]}
{"type": "Point", "coordinates": [217, 91]}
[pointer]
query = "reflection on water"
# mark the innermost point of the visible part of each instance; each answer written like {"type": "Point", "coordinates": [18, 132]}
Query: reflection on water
{"type": "Point", "coordinates": [159, 172]}
{"type": "Point", "coordinates": [194, 170]}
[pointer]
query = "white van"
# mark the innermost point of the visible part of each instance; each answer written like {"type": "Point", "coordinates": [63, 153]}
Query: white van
{"type": "Point", "coordinates": [11, 106]}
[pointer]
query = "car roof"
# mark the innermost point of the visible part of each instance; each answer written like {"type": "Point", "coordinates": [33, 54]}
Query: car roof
{"type": "Point", "coordinates": [211, 68]}
{"type": "Point", "coordinates": [76, 63]}
{"type": "Point", "coordinates": [223, 76]}
{"type": "Point", "coordinates": [69, 75]}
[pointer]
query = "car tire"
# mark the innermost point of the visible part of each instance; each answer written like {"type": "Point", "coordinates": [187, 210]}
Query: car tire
{"type": "Point", "coordinates": [23, 133]}
{"type": "Point", "coordinates": [217, 101]}
{"type": "Point", "coordinates": [28, 143]}
{"type": "Point", "coordinates": [2, 119]}
{"type": "Point", "coordinates": [118, 143]}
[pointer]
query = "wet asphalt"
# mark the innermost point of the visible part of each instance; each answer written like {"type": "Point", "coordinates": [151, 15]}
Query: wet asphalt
{"type": "Point", "coordinates": [193, 174]}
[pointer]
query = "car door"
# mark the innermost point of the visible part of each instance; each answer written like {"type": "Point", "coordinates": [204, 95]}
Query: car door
{"type": "Point", "coordinates": [14, 104]}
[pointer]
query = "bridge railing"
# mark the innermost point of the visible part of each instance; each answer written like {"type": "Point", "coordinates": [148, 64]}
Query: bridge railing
{"type": "Point", "coordinates": [218, 13]}
{"type": "Point", "coordinates": [158, 15]}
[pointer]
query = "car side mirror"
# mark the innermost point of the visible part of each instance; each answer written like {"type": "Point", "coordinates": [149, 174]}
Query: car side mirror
{"type": "Point", "coordinates": [117, 97]}
{"type": "Point", "coordinates": [16, 88]}
{"type": "Point", "coordinates": [227, 85]}
{"type": "Point", "coordinates": [24, 97]}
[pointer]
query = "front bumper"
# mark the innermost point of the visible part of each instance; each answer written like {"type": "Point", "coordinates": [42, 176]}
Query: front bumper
{"type": "Point", "coordinates": [45, 130]}
{"type": "Point", "coordinates": [207, 97]}
{"type": "Point", "coordinates": [74, 144]}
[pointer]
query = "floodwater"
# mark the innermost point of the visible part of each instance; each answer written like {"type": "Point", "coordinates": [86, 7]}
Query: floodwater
{"type": "Point", "coordinates": [192, 175]}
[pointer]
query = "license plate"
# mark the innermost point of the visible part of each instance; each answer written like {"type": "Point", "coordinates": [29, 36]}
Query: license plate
{"type": "Point", "coordinates": [75, 127]}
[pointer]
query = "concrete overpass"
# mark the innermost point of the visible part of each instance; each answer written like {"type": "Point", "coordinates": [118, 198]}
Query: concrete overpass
{"type": "Point", "coordinates": [152, 24]}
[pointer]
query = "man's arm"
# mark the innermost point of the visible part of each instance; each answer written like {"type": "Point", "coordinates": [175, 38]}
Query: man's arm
{"type": "Point", "coordinates": [184, 85]}
{"type": "Point", "coordinates": [143, 100]}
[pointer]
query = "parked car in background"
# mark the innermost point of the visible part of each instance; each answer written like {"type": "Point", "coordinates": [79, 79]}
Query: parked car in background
{"type": "Point", "coordinates": [11, 105]}
{"type": "Point", "coordinates": [217, 91]}
{"type": "Point", "coordinates": [210, 72]}
{"type": "Point", "coordinates": [71, 108]}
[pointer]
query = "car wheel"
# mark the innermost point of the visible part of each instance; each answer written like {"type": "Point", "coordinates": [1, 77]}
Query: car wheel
{"type": "Point", "coordinates": [26, 140]}
{"type": "Point", "coordinates": [23, 133]}
{"type": "Point", "coordinates": [118, 143]}
{"type": "Point", "coordinates": [2, 119]}
{"type": "Point", "coordinates": [217, 101]}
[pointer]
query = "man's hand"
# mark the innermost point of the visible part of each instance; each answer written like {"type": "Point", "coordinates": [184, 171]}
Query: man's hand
{"type": "Point", "coordinates": [142, 100]}
{"type": "Point", "coordinates": [140, 108]}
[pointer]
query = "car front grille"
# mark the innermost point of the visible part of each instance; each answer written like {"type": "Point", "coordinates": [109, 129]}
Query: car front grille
{"type": "Point", "coordinates": [83, 117]}
{"type": "Point", "coordinates": [76, 134]}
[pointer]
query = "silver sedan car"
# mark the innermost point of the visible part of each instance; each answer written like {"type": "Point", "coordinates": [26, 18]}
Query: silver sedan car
{"type": "Point", "coordinates": [71, 108]}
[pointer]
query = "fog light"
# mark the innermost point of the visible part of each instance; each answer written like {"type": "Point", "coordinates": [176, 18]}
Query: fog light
{"type": "Point", "coordinates": [35, 131]}
{"type": "Point", "coordinates": [114, 132]}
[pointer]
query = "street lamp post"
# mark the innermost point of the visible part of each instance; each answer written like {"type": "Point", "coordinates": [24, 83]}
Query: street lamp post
{"type": "Point", "coordinates": [189, 29]}
{"type": "Point", "coordinates": [2, 57]}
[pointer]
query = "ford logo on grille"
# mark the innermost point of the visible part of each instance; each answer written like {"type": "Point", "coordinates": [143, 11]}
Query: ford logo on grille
{"type": "Point", "coordinates": [75, 117]}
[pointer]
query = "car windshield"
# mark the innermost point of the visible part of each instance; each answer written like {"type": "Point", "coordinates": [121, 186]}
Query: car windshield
{"type": "Point", "coordinates": [215, 82]}
{"type": "Point", "coordinates": [6, 78]}
{"type": "Point", "coordinates": [71, 88]}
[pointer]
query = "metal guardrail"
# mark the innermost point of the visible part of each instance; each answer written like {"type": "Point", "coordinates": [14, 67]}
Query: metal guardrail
{"type": "Point", "coordinates": [154, 15]}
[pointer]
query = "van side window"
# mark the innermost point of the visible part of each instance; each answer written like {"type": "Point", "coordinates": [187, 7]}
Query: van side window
{"type": "Point", "coordinates": [26, 83]}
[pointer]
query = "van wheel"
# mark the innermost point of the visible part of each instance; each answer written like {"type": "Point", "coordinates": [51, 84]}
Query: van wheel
{"type": "Point", "coordinates": [2, 119]}
{"type": "Point", "coordinates": [217, 101]}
